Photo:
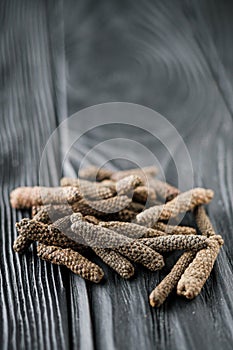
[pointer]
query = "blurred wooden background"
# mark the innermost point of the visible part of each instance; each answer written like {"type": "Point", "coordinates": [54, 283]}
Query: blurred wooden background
{"type": "Point", "coordinates": [58, 57]}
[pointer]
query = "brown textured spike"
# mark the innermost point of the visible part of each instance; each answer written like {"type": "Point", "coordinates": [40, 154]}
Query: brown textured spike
{"type": "Point", "coordinates": [93, 173]}
{"type": "Point", "coordinates": [165, 287]}
{"type": "Point", "coordinates": [110, 184]}
{"type": "Point", "coordinates": [95, 190]}
{"type": "Point", "coordinates": [136, 207]}
{"type": "Point", "coordinates": [126, 185]}
{"type": "Point", "coordinates": [175, 242]}
{"type": "Point", "coordinates": [130, 229]}
{"type": "Point", "coordinates": [52, 212]}
{"type": "Point", "coordinates": [175, 230]}
{"type": "Point", "coordinates": [122, 215]}
{"type": "Point", "coordinates": [35, 209]}
{"type": "Point", "coordinates": [199, 270]}
{"type": "Point", "coordinates": [100, 237]}
{"type": "Point", "coordinates": [203, 221]}
{"type": "Point", "coordinates": [21, 243]}
{"type": "Point", "coordinates": [43, 216]}
{"type": "Point", "coordinates": [143, 194]}
{"type": "Point", "coordinates": [26, 197]}
{"type": "Point", "coordinates": [144, 173]}
{"type": "Point", "coordinates": [195, 276]}
{"type": "Point", "coordinates": [116, 261]}
{"type": "Point", "coordinates": [106, 206]}
{"type": "Point", "coordinates": [163, 189]}
{"type": "Point", "coordinates": [88, 189]}
{"type": "Point", "coordinates": [187, 201]}
{"type": "Point", "coordinates": [46, 234]}
{"type": "Point", "coordinates": [62, 224]}
{"type": "Point", "coordinates": [72, 260]}
{"type": "Point", "coordinates": [183, 202]}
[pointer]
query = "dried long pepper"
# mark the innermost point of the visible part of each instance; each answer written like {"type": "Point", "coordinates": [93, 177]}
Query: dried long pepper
{"type": "Point", "coordinates": [198, 271]}
{"type": "Point", "coordinates": [94, 173]}
{"type": "Point", "coordinates": [88, 189]}
{"type": "Point", "coordinates": [165, 287]}
{"type": "Point", "coordinates": [183, 202]}
{"type": "Point", "coordinates": [116, 261]}
{"type": "Point", "coordinates": [128, 184]}
{"type": "Point", "coordinates": [163, 189]}
{"type": "Point", "coordinates": [26, 197]}
{"type": "Point", "coordinates": [144, 173]}
{"type": "Point", "coordinates": [174, 230]}
{"type": "Point", "coordinates": [100, 237]}
{"type": "Point", "coordinates": [104, 206]}
{"type": "Point", "coordinates": [121, 217]}
{"type": "Point", "coordinates": [130, 229]}
{"type": "Point", "coordinates": [72, 260]}
{"type": "Point", "coordinates": [175, 242]}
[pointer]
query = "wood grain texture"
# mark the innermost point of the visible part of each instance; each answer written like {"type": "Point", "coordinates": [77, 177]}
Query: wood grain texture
{"type": "Point", "coordinates": [59, 57]}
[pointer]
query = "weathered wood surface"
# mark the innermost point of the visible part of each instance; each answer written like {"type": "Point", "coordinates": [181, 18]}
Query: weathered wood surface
{"type": "Point", "coordinates": [59, 57]}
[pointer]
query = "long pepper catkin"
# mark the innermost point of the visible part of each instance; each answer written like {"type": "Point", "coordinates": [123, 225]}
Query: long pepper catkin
{"type": "Point", "coordinates": [122, 215]}
{"type": "Point", "coordinates": [203, 221]}
{"type": "Point", "coordinates": [113, 259]}
{"type": "Point", "coordinates": [128, 184]}
{"type": "Point", "coordinates": [100, 237]}
{"type": "Point", "coordinates": [165, 287]}
{"type": "Point", "coordinates": [136, 207]}
{"type": "Point", "coordinates": [198, 272]}
{"type": "Point", "coordinates": [43, 216]}
{"type": "Point", "coordinates": [183, 202]}
{"type": "Point", "coordinates": [22, 243]}
{"type": "Point", "coordinates": [175, 242]}
{"type": "Point", "coordinates": [116, 261]}
{"type": "Point", "coordinates": [95, 190]}
{"type": "Point", "coordinates": [143, 194]}
{"type": "Point", "coordinates": [88, 189]}
{"type": "Point", "coordinates": [72, 260]}
{"type": "Point", "coordinates": [130, 229]}
{"type": "Point", "coordinates": [26, 197]}
{"type": "Point", "coordinates": [195, 276]}
{"type": "Point", "coordinates": [52, 212]}
{"type": "Point", "coordinates": [109, 183]}
{"type": "Point", "coordinates": [193, 280]}
{"type": "Point", "coordinates": [144, 173]}
{"type": "Point", "coordinates": [94, 173]}
{"type": "Point", "coordinates": [175, 230]}
{"type": "Point", "coordinates": [163, 189]}
{"type": "Point", "coordinates": [187, 201]}
{"type": "Point", "coordinates": [62, 224]}
{"type": "Point", "coordinates": [35, 209]}
{"type": "Point", "coordinates": [106, 206]}
{"type": "Point", "coordinates": [47, 234]}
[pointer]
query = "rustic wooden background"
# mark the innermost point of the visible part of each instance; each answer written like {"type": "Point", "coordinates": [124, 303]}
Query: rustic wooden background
{"type": "Point", "coordinates": [58, 57]}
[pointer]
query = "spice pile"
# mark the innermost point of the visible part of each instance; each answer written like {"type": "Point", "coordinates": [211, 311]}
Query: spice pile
{"type": "Point", "coordinates": [122, 218]}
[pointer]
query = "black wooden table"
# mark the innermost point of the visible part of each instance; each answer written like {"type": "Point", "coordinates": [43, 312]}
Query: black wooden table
{"type": "Point", "coordinates": [57, 58]}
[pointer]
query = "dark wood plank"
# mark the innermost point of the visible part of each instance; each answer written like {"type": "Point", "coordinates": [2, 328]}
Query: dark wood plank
{"type": "Point", "coordinates": [33, 293]}
{"type": "Point", "coordinates": [58, 57]}
{"type": "Point", "coordinates": [160, 55]}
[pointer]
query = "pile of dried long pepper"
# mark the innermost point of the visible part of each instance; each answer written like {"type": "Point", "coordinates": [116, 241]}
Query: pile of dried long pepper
{"type": "Point", "coordinates": [121, 217]}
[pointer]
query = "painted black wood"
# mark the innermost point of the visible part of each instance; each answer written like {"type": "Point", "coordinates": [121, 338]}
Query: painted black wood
{"type": "Point", "coordinates": [59, 57]}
